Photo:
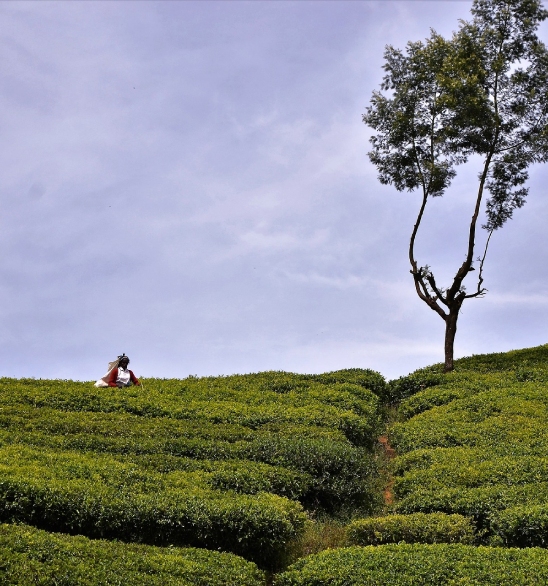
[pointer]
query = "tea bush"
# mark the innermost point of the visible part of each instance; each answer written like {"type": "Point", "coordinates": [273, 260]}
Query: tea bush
{"type": "Point", "coordinates": [322, 434]}
{"type": "Point", "coordinates": [30, 557]}
{"type": "Point", "coordinates": [522, 526]}
{"type": "Point", "coordinates": [481, 504]}
{"type": "Point", "coordinates": [476, 444]}
{"type": "Point", "coordinates": [420, 564]}
{"type": "Point", "coordinates": [99, 496]}
{"type": "Point", "coordinates": [248, 400]}
{"type": "Point", "coordinates": [224, 463]}
{"type": "Point", "coordinates": [414, 528]}
{"type": "Point", "coordinates": [318, 472]}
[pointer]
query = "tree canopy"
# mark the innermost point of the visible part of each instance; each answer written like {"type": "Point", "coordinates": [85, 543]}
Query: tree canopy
{"type": "Point", "coordinates": [482, 92]}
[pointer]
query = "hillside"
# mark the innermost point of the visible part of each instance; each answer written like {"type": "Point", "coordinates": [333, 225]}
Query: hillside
{"type": "Point", "coordinates": [151, 486]}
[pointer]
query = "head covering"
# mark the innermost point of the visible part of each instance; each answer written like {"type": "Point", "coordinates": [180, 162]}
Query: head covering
{"type": "Point", "coordinates": [115, 363]}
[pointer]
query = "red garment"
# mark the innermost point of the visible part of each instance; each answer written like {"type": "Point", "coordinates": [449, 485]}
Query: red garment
{"type": "Point", "coordinates": [114, 375]}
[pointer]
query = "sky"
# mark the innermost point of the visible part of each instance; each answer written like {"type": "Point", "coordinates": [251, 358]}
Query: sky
{"type": "Point", "coordinates": [187, 182]}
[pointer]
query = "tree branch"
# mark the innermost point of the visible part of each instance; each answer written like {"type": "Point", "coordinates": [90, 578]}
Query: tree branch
{"type": "Point", "coordinates": [481, 291]}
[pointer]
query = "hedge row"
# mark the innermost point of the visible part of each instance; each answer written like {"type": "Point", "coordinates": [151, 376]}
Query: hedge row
{"type": "Point", "coordinates": [466, 469]}
{"type": "Point", "coordinates": [482, 503]}
{"type": "Point", "coordinates": [485, 369]}
{"type": "Point", "coordinates": [498, 420]}
{"type": "Point", "coordinates": [198, 462]}
{"type": "Point", "coordinates": [349, 408]}
{"type": "Point", "coordinates": [318, 472]}
{"type": "Point", "coordinates": [99, 496]}
{"type": "Point", "coordinates": [521, 526]}
{"type": "Point", "coordinates": [476, 444]}
{"type": "Point", "coordinates": [415, 528]}
{"type": "Point", "coordinates": [423, 459]}
{"type": "Point", "coordinates": [303, 427]}
{"type": "Point", "coordinates": [424, 565]}
{"type": "Point", "coordinates": [30, 557]}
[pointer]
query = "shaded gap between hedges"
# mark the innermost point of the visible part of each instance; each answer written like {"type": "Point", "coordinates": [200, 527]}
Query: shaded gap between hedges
{"type": "Point", "coordinates": [390, 454]}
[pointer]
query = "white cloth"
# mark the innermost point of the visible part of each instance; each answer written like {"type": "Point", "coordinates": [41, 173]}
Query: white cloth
{"type": "Point", "coordinates": [123, 376]}
{"type": "Point", "coordinates": [103, 381]}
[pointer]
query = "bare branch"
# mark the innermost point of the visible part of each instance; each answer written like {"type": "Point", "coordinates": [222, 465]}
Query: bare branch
{"type": "Point", "coordinates": [481, 291]}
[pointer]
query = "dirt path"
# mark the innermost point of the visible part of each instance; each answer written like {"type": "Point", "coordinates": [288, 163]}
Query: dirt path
{"type": "Point", "coordinates": [390, 454]}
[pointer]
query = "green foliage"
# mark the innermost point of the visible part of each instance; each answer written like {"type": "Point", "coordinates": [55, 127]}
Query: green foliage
{"type": "Point", "coordinates": [501, 419]}
{"type": "Point", "coordinates": [483, 504]}
{"type": "Point", "coordinates": [217, 462]}
{"type": "Point", "coordinates": [536, 357]}
{"type": "Point", "coordinates": [522, 526]}
{"type": "Point", "coordinates": [238, 400]}
{"type": "Point", "coordinates": [476, 444]}
{"type": "Point", "coordinates": [320, 434]}
{"type": "Point", "coordinates": [102, 497]}
{"type": "Point", "coordinates": [30, 557]}
{"type": "Point", "coordinates": [465, 468]}
{"type": "Point", "coordinates": [414, 528]}
{"type": "Point", "coordinates": [419, 564]}
{"type": "Point", "coordinates": [405, 386]}
{"type": "Point", "coordinates": [365, 378]}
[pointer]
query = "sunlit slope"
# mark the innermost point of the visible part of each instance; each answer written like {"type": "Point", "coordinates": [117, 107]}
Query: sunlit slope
{"type": "Point", "coordinates": [225, 463]}
{"type": "Point", "coordinates": [475, 442]}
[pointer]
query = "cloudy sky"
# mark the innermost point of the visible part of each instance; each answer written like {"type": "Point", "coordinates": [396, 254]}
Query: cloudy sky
{"type": "Point", "coordinates": [188, 183]}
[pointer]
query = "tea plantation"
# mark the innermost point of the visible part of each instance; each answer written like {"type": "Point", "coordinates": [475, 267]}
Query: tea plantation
{"type": "Point", "coordinates": [278, 478]}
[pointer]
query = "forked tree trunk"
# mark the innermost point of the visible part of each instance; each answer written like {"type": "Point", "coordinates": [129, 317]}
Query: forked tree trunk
{"type": "Point", "coordinates": [450, 331]}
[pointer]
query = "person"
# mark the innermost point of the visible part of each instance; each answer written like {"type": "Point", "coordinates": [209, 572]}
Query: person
{"type": "Point", "coordinates": [118, 374]}
{"type": "Point", "coordinates": [122, 376]}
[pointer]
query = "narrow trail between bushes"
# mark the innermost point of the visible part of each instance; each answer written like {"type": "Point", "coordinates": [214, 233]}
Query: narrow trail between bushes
{"type": "Point", "coordinates": [390, 454]}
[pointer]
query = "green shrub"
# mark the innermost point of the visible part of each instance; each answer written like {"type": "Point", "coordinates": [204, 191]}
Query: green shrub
{"type": "Point", "coordinates": [478, 503]}
{"type": "Point", "coordinates": [30, 557]}
{"type": "Point", "coordinates": [513, 418]}
{"type": "Point", "coordinates": [222, 400]}
{"type": "Point", "coordinates": [405, 386]}
{"type": "Point", "coordinates": [325, 469]}
{"type": "Point", "coordinates": [458, 471]}
{"type": "Point", "coordinates": [225, 400]}
{"type": "Point", "coordinates": [318, 472]}
{"type": "Point", "coordinates": [522, 526]}
{"type": "Point", "coordinates": [420, 565]}
{"type": "Point", "coordinates": [441, 395]}
{"type": "Point", "coordinates": [536, 357]}
{"type": "Point", "coordinates": [101, 497]}
{"type": "Point", "coordinates": [200, 461]}
{"type": "Point", "coordinates": [414, 528]}
{"type": "Point", "coordinates": [342, 475]}
{"type": "Point", "coordinates": [367, 379]}
{"type": "Point", "coordinates": [476, 445]}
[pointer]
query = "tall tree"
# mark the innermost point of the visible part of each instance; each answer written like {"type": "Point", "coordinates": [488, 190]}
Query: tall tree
{"type": "Point", "coordinates": [482, 92]}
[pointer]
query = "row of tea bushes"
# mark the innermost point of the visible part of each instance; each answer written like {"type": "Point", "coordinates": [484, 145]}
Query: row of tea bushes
{"type": "Point", "coordinates": [216, 462]}
{"type": "Point", "coordinates": [497, 419]}
{"type": "Point", "coordinates": [481, 371]}
{"type": "Point", "coordinates": [420, 564]}
{"type": "Point", "coordinates": [414, 528]}
{"type": "Point", "coordinates": [322, 468]}
{"type": "Point", "coordinates": [279, 419]}
{"type": "Point", "coordinates": [476, 444]}
{"type": "Point", "coordinates": [470, 468]}
{"type": "Point", "coordinates": [31, 557]}
{"type": "Point", "coordinates": [100, 496]}
{"type": "Point", "coordinates": [242, 400]}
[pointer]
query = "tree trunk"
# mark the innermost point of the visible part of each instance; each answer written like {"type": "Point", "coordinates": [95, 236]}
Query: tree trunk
{"type": "Point", "coordinates": [450, 331]}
